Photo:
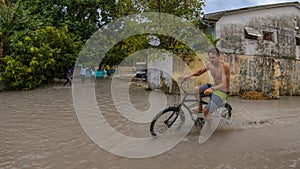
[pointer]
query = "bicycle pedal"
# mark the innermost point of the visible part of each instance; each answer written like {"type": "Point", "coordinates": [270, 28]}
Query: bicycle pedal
{"type": "Point", "coordinates": [199, 122]}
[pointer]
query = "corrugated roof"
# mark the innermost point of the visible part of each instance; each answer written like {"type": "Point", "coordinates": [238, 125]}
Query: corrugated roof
{"type": "Point", "coordinates": [214, 17]}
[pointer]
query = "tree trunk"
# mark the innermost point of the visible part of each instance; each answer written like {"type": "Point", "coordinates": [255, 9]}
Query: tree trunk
{"type": "Point", "coordinates": [1, 49]}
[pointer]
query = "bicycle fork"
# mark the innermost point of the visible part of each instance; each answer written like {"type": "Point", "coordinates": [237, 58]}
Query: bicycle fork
{"type": "Point", "coordinates": [169, 122]}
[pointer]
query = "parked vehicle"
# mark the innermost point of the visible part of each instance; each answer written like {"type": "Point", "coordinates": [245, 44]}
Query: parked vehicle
{"type": "Point", "coordinates": [141, 73]}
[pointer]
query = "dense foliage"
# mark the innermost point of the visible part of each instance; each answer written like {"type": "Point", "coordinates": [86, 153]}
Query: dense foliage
{"type": "Point", "coordinates": [38, 56]}
{"type": "Point", "coordinates": [33, 55]}
{"type": "Point", "coordinates": [40, 39]}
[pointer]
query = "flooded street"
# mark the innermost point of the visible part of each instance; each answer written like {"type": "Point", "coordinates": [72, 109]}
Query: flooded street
{"type": "Point", "coordinates": [40, 129]}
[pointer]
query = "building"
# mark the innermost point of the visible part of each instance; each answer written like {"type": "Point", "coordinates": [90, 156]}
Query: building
{"type": "Point", "coordinates": [267, 30]}
{"type": "Point", "coordinates": [262, 45]}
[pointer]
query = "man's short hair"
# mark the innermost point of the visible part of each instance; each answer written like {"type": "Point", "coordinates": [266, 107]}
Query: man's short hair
{"type": "Point", "coordinates": [214, 51]}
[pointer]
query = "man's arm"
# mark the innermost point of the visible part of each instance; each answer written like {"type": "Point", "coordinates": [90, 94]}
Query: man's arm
{"type": "Point", "coordinates": [227, 74]}
{"type": "Point", "coordinates": [197, 73]}
{"type": "Point", "coordinates": [200, 72]}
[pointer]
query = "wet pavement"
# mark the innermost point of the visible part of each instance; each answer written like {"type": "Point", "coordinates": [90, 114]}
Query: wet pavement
{"type": "Point", "coordinates": [40, 129]}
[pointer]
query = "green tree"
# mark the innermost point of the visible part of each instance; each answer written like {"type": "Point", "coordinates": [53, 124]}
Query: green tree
{"type": "Point", "coordinates": [32, 55]}
{"type": "Point", "coordinates": [13, 18]}
{"type": "Point", "coordinates": [190, 10]}
{"type": "Point", "coordinates": [212, 40]}
{"type": "Point", "coordinates": [42, 37]}
{"type": "Point", "coordinates": [38, 56]}
{"type": "Point", "coordinates": [84, 17]}
{"type": "Point", "coordinates": [187, 9]}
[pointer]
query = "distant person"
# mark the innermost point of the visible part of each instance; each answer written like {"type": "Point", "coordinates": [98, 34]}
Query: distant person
{"type": "Point", "coordinates": [69, 77]}
{"type": "Point", "coordinates": [92, 75]}
{"type": "Point", "coordinates": [105, 72]}
{"type": "Point", "coordinates": [82, 74]}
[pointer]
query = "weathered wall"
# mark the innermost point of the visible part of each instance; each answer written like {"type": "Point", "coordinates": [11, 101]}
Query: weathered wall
{"type": "Point", "coordinates": [160, 70]}
{"type": "Point", "coordinates": [269, 66]}
{"type": "Point", "coordinates": [282, 25]}
{"type": "Point", "coordinates": [283, 31]}
{"type": "Point", "coordinates": [245, 16]}
{"type": "Point", "coordinates": [164, 71]}
{"type": "Point", "coordinates": [265, 74]}
{"type": "Point", "coordinates": [248, 73]}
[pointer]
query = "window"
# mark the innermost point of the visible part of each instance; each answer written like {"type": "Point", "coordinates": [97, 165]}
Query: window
{"type": "Point", "coordinates": [251, 33]}
{"type": "Point", "coordinates": [268, 36]}
{"type": "Point", "coordinates": [297, 41]}
{"type": "Point", "coordinates": [297, 48]}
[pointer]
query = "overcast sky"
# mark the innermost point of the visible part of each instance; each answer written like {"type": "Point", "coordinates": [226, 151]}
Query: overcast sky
{"type": "Point", "coordinates": [221, 5]}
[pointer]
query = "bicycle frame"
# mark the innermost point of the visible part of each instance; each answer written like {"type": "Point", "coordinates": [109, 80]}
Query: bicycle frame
{"type": "Point", "coordinates": [195, 102]}
{"type": "Point", "coordinates": [177, 111]}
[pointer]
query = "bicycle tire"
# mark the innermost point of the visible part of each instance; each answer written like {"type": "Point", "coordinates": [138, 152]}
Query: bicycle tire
{"type": "Point", "coordinates": [166, 119]}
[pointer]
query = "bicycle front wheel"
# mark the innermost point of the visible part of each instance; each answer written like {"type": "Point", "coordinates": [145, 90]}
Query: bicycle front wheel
{"type": "Point", "coordinates": [164, 120]}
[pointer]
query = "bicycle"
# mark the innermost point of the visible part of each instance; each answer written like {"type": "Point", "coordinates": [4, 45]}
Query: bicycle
{"type": "Point", "coordinates": [167, 117]}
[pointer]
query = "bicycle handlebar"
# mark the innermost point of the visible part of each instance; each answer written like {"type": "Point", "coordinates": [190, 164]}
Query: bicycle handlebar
{"type": "Point", "coordinates": [181, 87]}
{"type": "Point", "coordinates": [188, 93]}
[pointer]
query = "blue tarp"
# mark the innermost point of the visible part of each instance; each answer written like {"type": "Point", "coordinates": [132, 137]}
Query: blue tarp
{"type": "Point", "coordinates": [100, 74]}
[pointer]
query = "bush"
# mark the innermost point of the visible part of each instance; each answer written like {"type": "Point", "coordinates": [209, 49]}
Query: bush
{"type": "Point", "coordinates": [37, 56]}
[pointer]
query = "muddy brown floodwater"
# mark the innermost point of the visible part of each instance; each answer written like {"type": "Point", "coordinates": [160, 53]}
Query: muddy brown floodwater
{"type": "Point", "coordinates": [40, 129]}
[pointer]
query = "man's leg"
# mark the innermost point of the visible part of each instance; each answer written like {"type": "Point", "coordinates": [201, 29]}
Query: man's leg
{"type": "Point", "coordinates": [201, 89]}
{"type": "Point", "coordinates": [215, 103]}
{"type": "Point", "coordinates": [66, 82]}
{"type": "Point", "coordinates": [212, 119]}
{"type": "Point", "coordinates": [70, 79]}
{"type": "Point", "coordinates": [199, 98]}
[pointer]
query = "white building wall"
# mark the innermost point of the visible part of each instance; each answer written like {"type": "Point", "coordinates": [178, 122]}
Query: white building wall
{"type": "Point", "coordinates": [160, 68]}
{"type": "Point", "coordinates": [243, 18]}
{"type": "Point", "coordinates": [280, 21]}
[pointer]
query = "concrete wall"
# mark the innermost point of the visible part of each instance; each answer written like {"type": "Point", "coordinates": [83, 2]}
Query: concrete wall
{"type": "Point", "coordinates": [278, 77]}
{"type": "Point", "coordinates": [244, 18]}
{"type": "Point", "coordinates": [160, 71]}
{"type": "Point", "coordinates": [262, 65]}
{"type": "Point", "coordinates": [230, 29]}
{"type": "Point", "coordinates": [126, 70]}
{"type": "Point", "coordinates": [269, 75]}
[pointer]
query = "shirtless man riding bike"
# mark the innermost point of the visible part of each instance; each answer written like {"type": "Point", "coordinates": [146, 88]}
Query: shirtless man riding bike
{"type": "Point", "coordinates": [220, 72]}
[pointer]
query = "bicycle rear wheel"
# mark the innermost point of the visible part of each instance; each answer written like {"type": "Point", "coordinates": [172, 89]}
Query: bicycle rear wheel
{"type": "Point", "coordinates": [227, 112]}
{"type": "Point", "coordinates": [164, 120]}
